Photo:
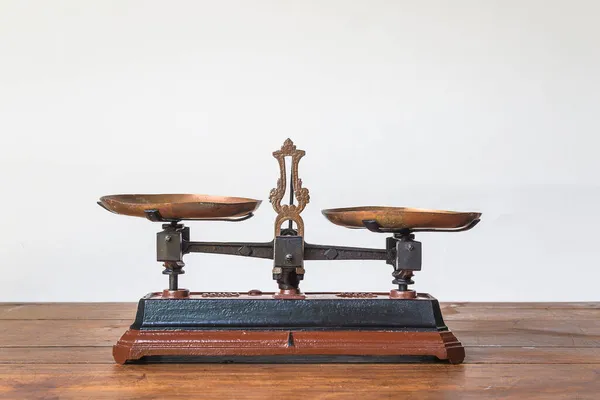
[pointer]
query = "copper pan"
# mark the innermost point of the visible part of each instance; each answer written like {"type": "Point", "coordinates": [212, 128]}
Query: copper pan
{"type": "Point", "coordinates": [180, 206]}
{"type": "Point", "coordinates": [397, 218]}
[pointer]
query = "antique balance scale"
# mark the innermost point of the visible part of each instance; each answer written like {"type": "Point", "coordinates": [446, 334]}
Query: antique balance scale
{"type": "Point", "coordinates": [287, 325]}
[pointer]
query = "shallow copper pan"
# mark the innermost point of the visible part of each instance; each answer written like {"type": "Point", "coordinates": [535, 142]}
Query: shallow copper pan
{"type": "Point", "coordinates": [180, 206]}
{"type": "Point", "coordinates": [400, 217]}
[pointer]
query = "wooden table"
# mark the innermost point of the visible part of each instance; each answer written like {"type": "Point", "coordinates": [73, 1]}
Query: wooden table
{"type": "Point", "coordinates": [524, 350]}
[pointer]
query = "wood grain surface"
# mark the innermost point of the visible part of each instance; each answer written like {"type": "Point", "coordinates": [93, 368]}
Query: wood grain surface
{"type": "Point", "coordinates": [514, 350]}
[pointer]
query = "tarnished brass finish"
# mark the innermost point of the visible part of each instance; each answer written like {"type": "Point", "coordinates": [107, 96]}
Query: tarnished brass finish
{"type": "Point", "coordinates": [176, 294]}
{"type": "Point", "coordinates": [180, 206]}
{"type": "Point", "coordinates": [289, 294]}
{"type": "Point", "coordinates": [289, 212]}
{"type": "Point", "coordinates": [400, 217]}
{"type": "Point", "coordinates": [403, 294]}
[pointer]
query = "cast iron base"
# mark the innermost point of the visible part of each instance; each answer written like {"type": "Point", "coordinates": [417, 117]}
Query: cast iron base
{"type": "Point", "coordinates": [238, 328]}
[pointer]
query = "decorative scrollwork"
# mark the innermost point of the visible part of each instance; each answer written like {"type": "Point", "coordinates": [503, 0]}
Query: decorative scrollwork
{"type": "Point", "coordinates": [289, 212]}
{"type": "Point", "coordinates": [221, 294]}
{"type": "Point", "coordinates": [353, 295]}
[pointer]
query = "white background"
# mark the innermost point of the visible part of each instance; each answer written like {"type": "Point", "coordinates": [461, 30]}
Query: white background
{"type": "Point", "coordinates": [489, 106]}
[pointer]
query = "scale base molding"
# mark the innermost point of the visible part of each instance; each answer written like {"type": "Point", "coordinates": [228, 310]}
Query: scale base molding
{"type": "Point", "coordinates": [324, 327]}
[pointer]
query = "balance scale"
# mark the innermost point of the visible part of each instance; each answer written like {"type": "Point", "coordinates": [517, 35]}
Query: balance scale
{"type": "Point", "coordinates": [287, 325]}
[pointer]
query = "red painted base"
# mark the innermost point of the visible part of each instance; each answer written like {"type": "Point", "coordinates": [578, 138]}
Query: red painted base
{"type": "Point", "coordinates": [135, 344]}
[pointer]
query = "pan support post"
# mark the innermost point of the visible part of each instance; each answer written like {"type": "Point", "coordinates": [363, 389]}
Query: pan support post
{"type": "Point", "coordinates": [408, 258]}
{"type": "Point", "coordinates": [169, 250]}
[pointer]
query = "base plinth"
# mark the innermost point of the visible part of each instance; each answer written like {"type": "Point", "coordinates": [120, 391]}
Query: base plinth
{"type": "Point", "coordinates": [136, 344]}
{"type": "Point", "coordinates": [322, 325]}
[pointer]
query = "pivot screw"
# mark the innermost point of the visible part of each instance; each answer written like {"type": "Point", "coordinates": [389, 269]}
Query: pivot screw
{"type": "Point", "coordinates": [331, 254]}
{"type": "Point", "coordinates": [410, 247]}
{"type": "Point", "coordinates": [288, 257]}
{"type": "Point", "coordinates": [245, 251]}
{"type": "Point", "coordinates": [168, 238]}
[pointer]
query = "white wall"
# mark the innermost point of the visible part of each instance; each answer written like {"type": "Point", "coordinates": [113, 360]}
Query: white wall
{"type": "Point", "coordinates": [488, 106]}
